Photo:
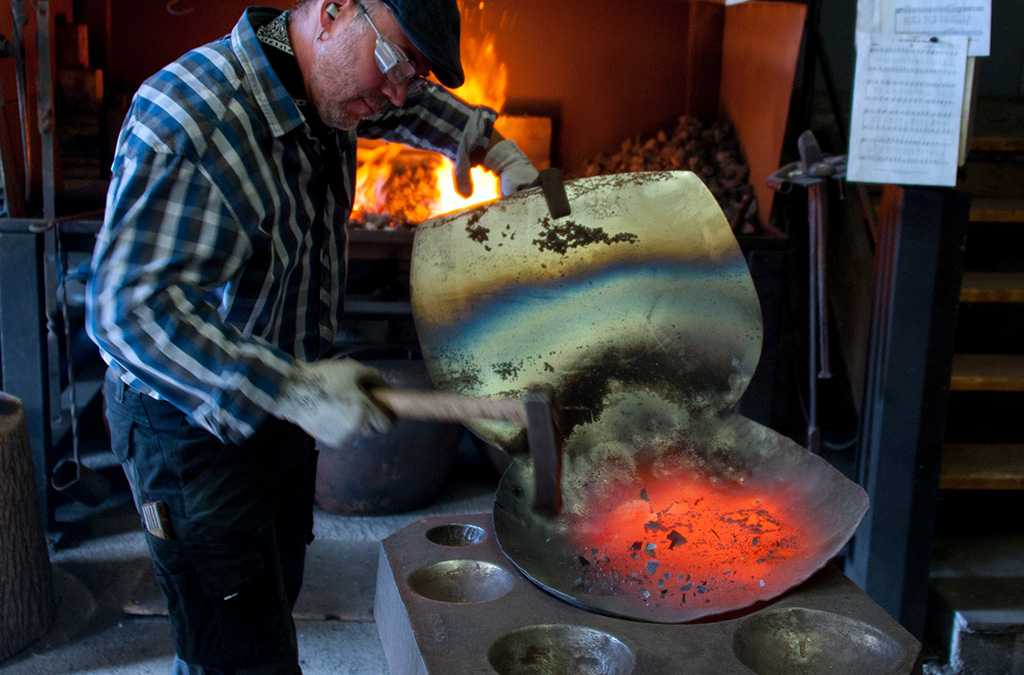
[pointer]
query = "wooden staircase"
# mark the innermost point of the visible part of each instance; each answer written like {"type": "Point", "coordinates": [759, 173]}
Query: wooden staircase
{"type": "Point", "coordinates": [976, 607]}
{"type": "Point", "coordinates": [989, 364]}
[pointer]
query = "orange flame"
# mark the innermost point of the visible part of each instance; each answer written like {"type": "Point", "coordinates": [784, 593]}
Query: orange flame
{"type": "Point", "coordinates": [434, 187]}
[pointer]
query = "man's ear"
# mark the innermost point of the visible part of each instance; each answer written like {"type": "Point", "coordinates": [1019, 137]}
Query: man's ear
{"type": "Point", "coordinates": [334, 9]}
{"type": "Point", "coordinates": [330, 11]}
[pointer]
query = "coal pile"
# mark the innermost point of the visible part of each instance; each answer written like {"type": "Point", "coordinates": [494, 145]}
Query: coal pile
{"type": "Point", "coordinates": [710, 150]}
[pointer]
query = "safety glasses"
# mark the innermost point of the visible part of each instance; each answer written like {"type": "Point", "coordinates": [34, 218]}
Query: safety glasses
{"type": "Point", "coordinates": [395, 65]}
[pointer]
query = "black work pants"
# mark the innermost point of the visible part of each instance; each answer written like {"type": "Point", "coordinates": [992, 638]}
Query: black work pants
{"type": "Point", "coordinates": [241, 518]}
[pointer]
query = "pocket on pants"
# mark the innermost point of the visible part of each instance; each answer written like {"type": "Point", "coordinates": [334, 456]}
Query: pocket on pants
{"type": "Point", "coordinates": [224, 604]}
{"type": "Point", "coordinates": [119, 425]}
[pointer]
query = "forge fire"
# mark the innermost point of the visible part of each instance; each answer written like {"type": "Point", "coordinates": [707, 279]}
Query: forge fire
{"type": "Point", "coordinates": [398, 188]}
{"type": "Point", "coordinates": [685, 540]}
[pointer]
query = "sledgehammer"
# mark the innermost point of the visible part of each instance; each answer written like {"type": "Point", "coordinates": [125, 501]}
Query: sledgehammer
{"type": "Point", "coordinates": [536, 411]}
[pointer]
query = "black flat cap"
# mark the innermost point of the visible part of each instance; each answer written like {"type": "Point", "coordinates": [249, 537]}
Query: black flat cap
{"type": "Point", "coordinates": [433, 26]}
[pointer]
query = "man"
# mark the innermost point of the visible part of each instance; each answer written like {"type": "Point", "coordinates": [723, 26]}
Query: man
{"type": "Point", "coordinates": [217, 283]}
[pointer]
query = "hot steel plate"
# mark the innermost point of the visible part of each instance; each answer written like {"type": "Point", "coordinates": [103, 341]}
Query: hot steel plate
{"type": "Point", "coordinates": [638, 309]}
{"type": "Point", "coordinates": [641, 291]}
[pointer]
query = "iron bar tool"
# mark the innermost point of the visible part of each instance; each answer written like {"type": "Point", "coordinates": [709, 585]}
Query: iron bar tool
{"type": "Point", "coordinates": [813, 169]}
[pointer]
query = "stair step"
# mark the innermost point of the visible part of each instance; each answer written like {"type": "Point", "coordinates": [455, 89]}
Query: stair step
{"type": "Point", "coordinates": [993, 175]}
{"type": "Point", "coordinates": [980, 621]}
{"type": "Point", "coordinates": [998, 144]}
{"type": "Point", "coordinates": [992, 287]}
{"type": "Point", "coordinates": [996, 210]}
{"type": "Point", "coordinates": [982, 466]}
{"type": "Point", "coordinates": [987, 372]}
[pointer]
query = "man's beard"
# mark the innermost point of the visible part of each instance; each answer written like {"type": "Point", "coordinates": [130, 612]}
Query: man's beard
{"type": "Point", "coordinates": [333, 71]}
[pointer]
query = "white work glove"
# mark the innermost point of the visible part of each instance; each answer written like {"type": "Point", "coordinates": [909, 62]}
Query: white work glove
{"type": "Point", "coordinates": [476, 127]}
{"type": "Point", "coordinates": [511, 165]}
{"type": "Point", "coordinates": [329, 400]}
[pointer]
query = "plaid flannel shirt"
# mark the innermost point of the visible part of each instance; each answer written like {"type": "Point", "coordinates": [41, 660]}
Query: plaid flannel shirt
{"type": "Point", "coordinates": [221, 259]}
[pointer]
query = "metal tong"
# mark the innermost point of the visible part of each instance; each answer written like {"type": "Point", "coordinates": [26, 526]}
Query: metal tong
{"type": "Point", "coordinates": [810, 172]}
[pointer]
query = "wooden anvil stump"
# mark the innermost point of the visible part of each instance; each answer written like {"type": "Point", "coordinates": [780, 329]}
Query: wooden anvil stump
{"type": "Point", "coordinates": [26, 583]}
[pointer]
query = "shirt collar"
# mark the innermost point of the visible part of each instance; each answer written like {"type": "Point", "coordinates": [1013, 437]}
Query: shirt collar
{"type": "Point", "coordinates": [274, 99]}
{"type": "Point", "coordinates": [278, 48]}
{"type": "Point", "coordinates": [275, 33]}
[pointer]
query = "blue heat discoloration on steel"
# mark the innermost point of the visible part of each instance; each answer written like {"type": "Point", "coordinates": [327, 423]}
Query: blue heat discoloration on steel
{"type": "Point", "coordinates": [643, 282]}
{"type": "Point", "coordinates": [638, 310]}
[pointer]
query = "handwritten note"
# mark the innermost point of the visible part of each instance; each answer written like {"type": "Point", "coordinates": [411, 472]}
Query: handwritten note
{"type": "Point", "coordinates": [908, 94]}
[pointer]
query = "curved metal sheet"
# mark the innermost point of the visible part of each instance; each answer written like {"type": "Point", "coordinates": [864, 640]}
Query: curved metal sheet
{"type": "Point", "coordinates": [732, 515]}
{"type": "Point", "coordinates": [639, 311]}
{"type": "Point", "coordinates": [642, 287]}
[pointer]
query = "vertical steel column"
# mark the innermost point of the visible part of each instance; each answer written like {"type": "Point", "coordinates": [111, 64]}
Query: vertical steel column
{"type": "Point", "coordinates": [47, 132]}
{"type": "Point", "coordinates": [918, 268]}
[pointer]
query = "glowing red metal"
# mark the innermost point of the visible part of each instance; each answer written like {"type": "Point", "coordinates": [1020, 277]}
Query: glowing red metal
{"type": "Point", "coordinates": [687, 539]}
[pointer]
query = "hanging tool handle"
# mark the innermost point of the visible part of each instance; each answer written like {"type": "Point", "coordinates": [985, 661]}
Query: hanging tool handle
{"type": "Point", "coordinates": [436, 406]}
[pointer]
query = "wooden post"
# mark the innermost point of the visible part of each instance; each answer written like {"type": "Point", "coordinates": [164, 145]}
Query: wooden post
{"type": "Point", "coordinates": [26, 584]}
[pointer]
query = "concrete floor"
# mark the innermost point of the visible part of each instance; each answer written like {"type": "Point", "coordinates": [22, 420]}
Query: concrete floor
{"type": "Point", "coordinates": [110, 621]}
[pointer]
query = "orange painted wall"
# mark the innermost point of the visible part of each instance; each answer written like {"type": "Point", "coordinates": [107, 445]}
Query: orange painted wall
{"type": "Point", "coordinates": [604, 70]}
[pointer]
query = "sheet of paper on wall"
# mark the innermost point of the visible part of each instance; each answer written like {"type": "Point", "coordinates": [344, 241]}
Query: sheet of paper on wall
{"type": "Point", "coordinates": [972, 18]}
{"type": "Point", "coordinates": [908, 94]}
{"type": "Point", "coordinates": [868, 19]}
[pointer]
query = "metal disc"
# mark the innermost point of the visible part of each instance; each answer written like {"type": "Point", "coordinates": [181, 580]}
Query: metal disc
{"type": "Point", "coordinates": [733, 515]}
{"type": "Point", "coordinates": [641, 287]}
{"type": "Point", "coordinates": [638, 310]}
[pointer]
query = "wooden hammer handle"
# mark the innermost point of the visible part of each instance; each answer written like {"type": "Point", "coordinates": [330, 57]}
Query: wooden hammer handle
{"type": "Point", "coordinates": [437, 406]}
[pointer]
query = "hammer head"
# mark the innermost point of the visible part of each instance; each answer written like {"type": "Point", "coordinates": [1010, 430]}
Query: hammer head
{"type": "Point", "coordinates": [544, 436]}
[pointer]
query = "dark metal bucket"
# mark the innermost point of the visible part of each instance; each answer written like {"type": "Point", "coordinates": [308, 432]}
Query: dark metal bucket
{"type": "Point", "coordinates": [400, 470]}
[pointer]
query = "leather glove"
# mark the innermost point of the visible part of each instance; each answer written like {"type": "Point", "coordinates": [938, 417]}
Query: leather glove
{"type": "Point", "coordinates": [329, 400]}
{"type": "Point", "coordinates": [511, 165]}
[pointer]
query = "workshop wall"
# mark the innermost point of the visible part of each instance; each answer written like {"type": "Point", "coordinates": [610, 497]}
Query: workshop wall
{"type": "Point", "coordinates": [10, 115]}
{"type": "Point", "coordinates": [146, 35]}
{"type": "Point", "coordinates": [602, 70]}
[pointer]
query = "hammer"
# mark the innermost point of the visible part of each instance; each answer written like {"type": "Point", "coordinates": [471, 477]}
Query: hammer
{"type": "Point", "coordinates": [536, 411]}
